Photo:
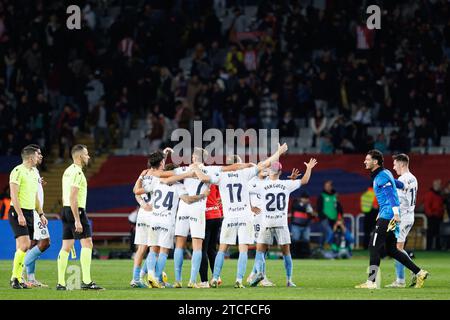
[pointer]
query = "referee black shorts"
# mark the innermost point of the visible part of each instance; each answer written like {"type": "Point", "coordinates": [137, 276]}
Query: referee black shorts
{"type": "Point", "coordinates": [19, 230]}
{"type": "Point", "coordinates": [68, 222]}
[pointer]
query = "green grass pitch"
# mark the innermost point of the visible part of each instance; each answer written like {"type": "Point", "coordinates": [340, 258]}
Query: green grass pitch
{"type": "Point", "coordinates": [316, 279]}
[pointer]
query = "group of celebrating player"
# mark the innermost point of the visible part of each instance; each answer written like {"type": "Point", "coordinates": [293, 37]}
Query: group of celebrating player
{"type": "Point", "coordinates": [172, 203]}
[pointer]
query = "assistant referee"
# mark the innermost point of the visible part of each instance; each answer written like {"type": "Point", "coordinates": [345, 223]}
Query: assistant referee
{"type": "Point", "coordinates": [75, 222]}
{"type": "Point", "coordinates": [23, 183]}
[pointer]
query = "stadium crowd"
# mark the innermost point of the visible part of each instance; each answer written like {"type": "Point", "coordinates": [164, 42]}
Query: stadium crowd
{"type": "Point", "coordinates": [291, 63]}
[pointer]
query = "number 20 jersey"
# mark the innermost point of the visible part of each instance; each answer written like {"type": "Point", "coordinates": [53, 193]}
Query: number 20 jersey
{"type": "Point", "coordinates": [275, 200]}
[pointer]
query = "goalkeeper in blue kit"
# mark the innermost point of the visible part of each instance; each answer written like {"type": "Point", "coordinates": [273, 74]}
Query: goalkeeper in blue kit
{"type": "Point", "coordinates": [384, 186]}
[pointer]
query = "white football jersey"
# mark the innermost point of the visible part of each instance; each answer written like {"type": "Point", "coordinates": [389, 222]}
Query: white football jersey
{"type": "Point", "coordinates": [234, 191]}
{"type": "Point", "coordinates": [146, 183]}
{"type": "Point", "coordinates": [194, 187]}
{"type": "Point", "coordinates": [165, 199]}
{"type": "Point", "coordinates": [40, 188]}
{"type": "Point", "coordinates": [275, 200]}
{"type": "Point", "coordinates": [255, 197]}
{"type": "Point", "coordinates": [408, 196]}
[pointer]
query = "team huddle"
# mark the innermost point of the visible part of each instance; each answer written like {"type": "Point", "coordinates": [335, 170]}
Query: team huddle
{"type": "Point", "coordinates": [173, 205]}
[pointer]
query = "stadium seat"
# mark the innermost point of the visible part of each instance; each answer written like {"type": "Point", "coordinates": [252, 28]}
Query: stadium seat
{"type": "Point", "coordinates": [387, 130]}
{"type": "Point", "coordinates": [445, 141]}
{"type": "Point", "coordinates": [291, 141]}
{"type": "Point", "coordinates": [419, 150]}
{"type": "Point", "coordinates": [304, 142]}
{"type": "Point", "coordinates": [435, 150]}
{"type": "Point", "coordinates": [374, 131]}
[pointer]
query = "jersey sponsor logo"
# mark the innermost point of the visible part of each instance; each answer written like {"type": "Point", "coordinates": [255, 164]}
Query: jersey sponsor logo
{"type": "Point", "coordinates": [160, 228]}
{"type": "Point", "coordinates": [236, 224]}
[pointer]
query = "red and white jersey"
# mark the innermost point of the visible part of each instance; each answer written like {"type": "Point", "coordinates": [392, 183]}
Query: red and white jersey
{"type": "Point", "coordinates": [213, 203]}
{"type": "Point", "coordinates": [233, 187]}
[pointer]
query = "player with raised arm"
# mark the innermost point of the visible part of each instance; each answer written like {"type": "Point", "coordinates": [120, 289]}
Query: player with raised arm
{"type": "Point", "coordinates": [388, 217]}
{"type": "Point", "coordinates": [238, 217]}
{"type": "Point", "coordinates": [23, 183]}
{"type": "Point", "coordinates": [275, 199]}
{"type": "Point", "coordinates": [167, 193]}
{"type": "Point", "coordinates": [41, 237]}
{"type": "Point", "coordinates": [191, 218]}
{"type": "Point", "coordinates": [407, 197]}
{"type": "Point", "coordinates": [156, 161]}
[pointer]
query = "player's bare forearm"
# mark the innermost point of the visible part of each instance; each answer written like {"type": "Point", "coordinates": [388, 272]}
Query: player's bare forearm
{"type": "Point", "coordinates": [201, 176]}
{"type": "Point", "coordinates": [236, 166]}
{"type": "Point", "coordinates": [192, 199]}
{"type": "Point", "coordinates": [14, 191]}
{"type": "Point", "coordinates": [266, 163]}
{"type": "Point", "coordinates": [38, 205]}
{"type": "Point", "coordinates": [306, 176]}
{"type": "Point", "coordinates": [74, 203]}
{"type": "Point", "coordinates": [139, 200]}
{"type": "Point", "coordinates": [137, 185]}
{"type": "Point", "coordinates": [176, 178]}
{"type": "Point", "coordinates": [163, 174]}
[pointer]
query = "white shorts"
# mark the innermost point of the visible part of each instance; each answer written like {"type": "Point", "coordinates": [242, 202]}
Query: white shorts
{"type": "Point", "coordinates": [142, 227]}
{"type": "Point", "coordinates": [281, 234]}
{"type": "Point", "coordinates": [240, 228]}
{"type": "Point", "coordinates": [40, 231]}
{"type": "Point", "coordinates": [257, 223]}
{"type": "Point", "coordinates": [404, 228]}
{"type": "Point", "coordinates": [192, 219]}
{"type": "Point", "coordinates": [161, 235]}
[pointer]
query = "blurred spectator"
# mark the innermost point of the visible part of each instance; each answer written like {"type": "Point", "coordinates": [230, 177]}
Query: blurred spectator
{"type": "Point", "coordinates": [446, 195]}
{"type": "Point", "coordinates": [341, 241]}
{"type": "Point", "coordinates": [301, 217]}
{"type": "Point", "coordinates": [269, 111]}
{"type": "Point", "coordinates": [381, 143]}
{"type": "Point", "coordinates": [434, 210]}
{"type": "Point", "coordinates": [424, 133]}
{"type": "Point", "coordinates": [66, 128]}
{"type": "Point", "coordinates": [326, 144]}
{"type": "Point", "coordinates": [94, 90]}
{"type": "Point", "coordinates": [100, 118]}
{"type": "Point", "coordinates": [329, 210]}
{"type": "Point", "coordinates": [156, 134]}
{"type": "Point", "coordinates": [369, 207]}
{"type": "Point", "coordinates": [287, 126]}
{"type": "Point", "coordinates": [5, 203]}
{"type": "Point", "coordinates": [318, 124]}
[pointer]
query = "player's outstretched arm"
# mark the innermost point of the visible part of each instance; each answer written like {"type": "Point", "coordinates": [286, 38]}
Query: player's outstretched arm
{"type": "Point", "coordinates": [163, 173]}
{"type": "Point", "coordinates": [137, 189]}
{"type": "Point", "coordinates": [309, 166]}
{"type": "Point", "coordinates": [177, 177]}
{"type": "Point", "coordinates": [237, 166]}
{"type": "Point", "coordinates": [266, 163]}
